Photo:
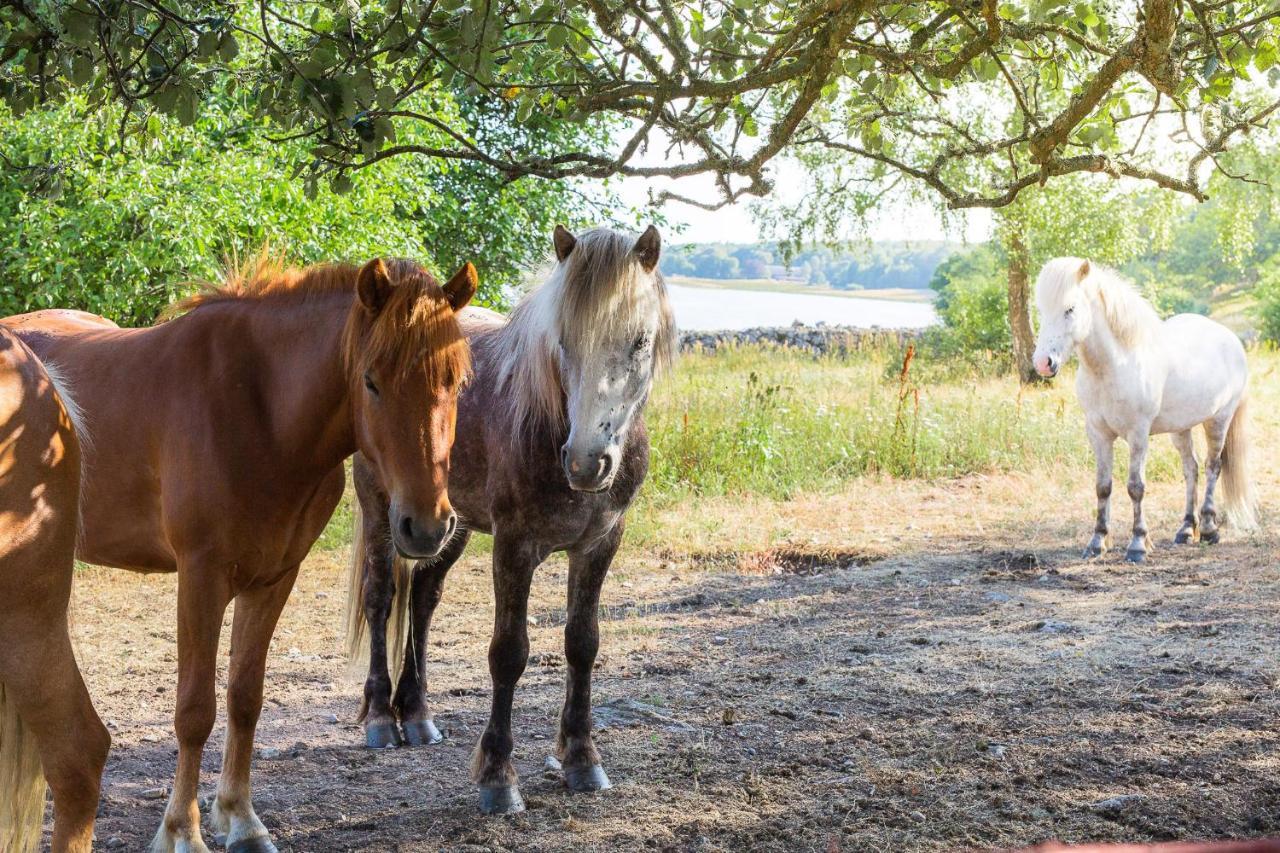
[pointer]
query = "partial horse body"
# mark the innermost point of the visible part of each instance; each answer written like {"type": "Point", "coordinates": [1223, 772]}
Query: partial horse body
{"type": "Point", "coordinates": [218, 441]}
{"type": "Point", "coordinates": [47, 722]}
{"type": "Point", "coordinates": [1140, 377]}
{"type": "Point", "coordinates": [551, 451]}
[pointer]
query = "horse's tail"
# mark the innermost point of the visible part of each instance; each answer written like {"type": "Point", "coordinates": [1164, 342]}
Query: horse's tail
{"type": "Point", "coordinates": [1239, 502]}
{"type": "Point", "coordinates": [22, 785]}
{"type": "Point", "coordinates": [358, 624]}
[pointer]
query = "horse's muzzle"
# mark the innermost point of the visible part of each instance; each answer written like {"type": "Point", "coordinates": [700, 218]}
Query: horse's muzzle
{"type": "Point", "coordinates": [416, 541]}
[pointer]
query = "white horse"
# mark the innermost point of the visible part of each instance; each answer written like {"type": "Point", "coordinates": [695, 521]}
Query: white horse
{"type": "Point", "coordinates": [1139, 377]}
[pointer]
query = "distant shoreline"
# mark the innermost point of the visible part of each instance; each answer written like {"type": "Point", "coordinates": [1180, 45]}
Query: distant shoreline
{"type": "Point", "coordinates": [891, 294]}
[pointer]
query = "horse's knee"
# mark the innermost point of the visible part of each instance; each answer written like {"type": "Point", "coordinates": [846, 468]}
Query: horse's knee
{"type": "Point", "coordinates": [193, 720]}
{"type": "Point", "coordinates": [244, 705]}
{"type": "Point", "coordinates": [1104, 491]}
{"type": "Point", "coordinates": [508, 656]}
{"type": "Point", "coordinates": [1137, 490]}
{"type": "Point", "coordinates": [581, 645]}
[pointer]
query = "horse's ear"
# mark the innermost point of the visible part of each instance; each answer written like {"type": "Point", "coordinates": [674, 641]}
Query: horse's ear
{"type": "Point", "coordinates": [648, 248]}
{"type": "Point", "coordinates": [564, 241]}
{"type": "Point", "coordinates": [373, 285]}
{"type": "Point", "coordinates": [1083, 271]}
{"type": "Point", "coordinates": [459, 289]}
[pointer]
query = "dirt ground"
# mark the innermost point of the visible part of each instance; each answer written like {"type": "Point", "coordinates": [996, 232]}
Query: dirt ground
{"type": "Point", "coordinates": [937, 671]}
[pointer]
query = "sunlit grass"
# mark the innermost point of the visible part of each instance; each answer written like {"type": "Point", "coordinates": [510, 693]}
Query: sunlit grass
{"type": "Point", "coordinates": [774, 424]}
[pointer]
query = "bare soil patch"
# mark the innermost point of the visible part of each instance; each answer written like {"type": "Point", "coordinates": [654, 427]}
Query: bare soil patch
{"type": "Point", "coordinates": [949, 687]}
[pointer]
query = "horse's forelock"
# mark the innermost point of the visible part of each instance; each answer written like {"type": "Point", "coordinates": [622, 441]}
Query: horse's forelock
{"type": "Point", "coordinates": [414, 324]}
{"type": "Point", "coordinates": [598, 298]}
{"type": "Point", "coordinates": [1058, 278]}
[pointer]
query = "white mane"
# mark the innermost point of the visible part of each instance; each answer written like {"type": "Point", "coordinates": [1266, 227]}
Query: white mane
{"type": "Point", "coordinates": [598, 300]}
{"type": "Point", "coordinates": [1130, 317]}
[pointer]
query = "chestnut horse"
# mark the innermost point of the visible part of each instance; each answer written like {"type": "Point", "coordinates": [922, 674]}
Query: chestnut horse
{"type": "Point", "coordinates": [218, 446]}
{"type": "Point", "coordinates": [46, 718]}
{"type": "Point", "coordinates": [551, 451]}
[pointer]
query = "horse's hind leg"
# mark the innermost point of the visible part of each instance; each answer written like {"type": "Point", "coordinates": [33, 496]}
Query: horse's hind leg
{"type": "Point", "coordinates": [410, 702]}
{"type": "Point", "coordinates": [1103, 445]}
{"type": "Point", "coordinates": [52, 700]}
{"type": "Point", "coordinates": [587, 569]}
{"type": "Point", "coordinates": [1215, 433]}
{"type": "Point", "coordinates": [256, 613]}
{"type": "Point", "coordinates": [1141, 542]}
{"type": "Point", "coordinates": [1191, 473]}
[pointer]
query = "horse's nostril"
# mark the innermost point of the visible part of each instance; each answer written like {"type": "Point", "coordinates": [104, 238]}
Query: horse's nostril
{"type": "Point", "coordinates": [606, 465]}
{"type": "Point", "coordinates": [406, 528]}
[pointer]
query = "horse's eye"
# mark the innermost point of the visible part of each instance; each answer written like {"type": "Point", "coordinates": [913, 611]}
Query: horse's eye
{"type": "Point", "coordinates": [368, 383]}
{"type": "Point", "coordinates": [640, 344]}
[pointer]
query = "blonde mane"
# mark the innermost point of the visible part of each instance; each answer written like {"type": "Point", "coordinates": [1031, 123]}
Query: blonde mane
{"type": "Point", "coordinates": [599, 297]}
{"type": "Point", "coordinates": [415, 323]}
{"type": "Point", "coordinates": [1129, 315]}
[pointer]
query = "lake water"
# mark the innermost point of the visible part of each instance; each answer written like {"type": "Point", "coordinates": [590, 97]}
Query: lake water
{"type": "Point", "coordinates": [706, 308]}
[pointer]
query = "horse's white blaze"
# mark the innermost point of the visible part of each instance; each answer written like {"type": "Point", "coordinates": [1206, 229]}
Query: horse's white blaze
{"type": "Point", "coordinates": [1140, 376]}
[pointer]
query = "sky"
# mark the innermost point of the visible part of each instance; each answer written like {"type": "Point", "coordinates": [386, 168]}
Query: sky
{"type": "Point", "coordinates": [898, 220]}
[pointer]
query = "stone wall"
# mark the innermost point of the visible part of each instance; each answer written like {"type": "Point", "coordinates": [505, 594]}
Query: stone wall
{"type": "Point", "coordinates": [819, 339]}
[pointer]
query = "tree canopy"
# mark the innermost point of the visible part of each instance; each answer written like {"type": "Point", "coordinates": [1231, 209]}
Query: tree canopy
{"type": "Point", "coordinates": [975, 99]}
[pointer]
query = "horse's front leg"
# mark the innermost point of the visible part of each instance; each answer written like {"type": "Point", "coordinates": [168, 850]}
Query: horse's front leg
{"type": "Point", "coordinates": [256, 614]}
{"type": "Point", "coordinates": [410, 702]}
{"type": "Point", "coordinates": [203, 595]}
{"type": "Point", "coordinates": [1140, 544]}
{"type": "Point", "coordinates": [514, 561]}
{"type": "Point", "coordinates": [587, 570]}
{"type": "Point", "coordinates": [378, 588]}
{"type": "Point", "coordinates": [1191, 473]}
{"type": "Point", "coordinates": [1103, 444]}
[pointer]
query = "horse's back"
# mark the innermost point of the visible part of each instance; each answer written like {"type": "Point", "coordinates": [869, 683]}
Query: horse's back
{"type": "Point", "coordinates": [476, 320]}
{"type": "Point", "coordinates": [1207, 371]}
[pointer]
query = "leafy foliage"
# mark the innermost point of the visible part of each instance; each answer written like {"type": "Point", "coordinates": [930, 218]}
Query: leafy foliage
{"type": "Point", "coordinates": [118, 232]}
{"type": "Point", "coordinates": [1268, 304]}
{"type": "Point", "coordinates": [869, 266]}
{"type": "Point", "coordinates": [972, 302]}
{"type": "Point", "coordinates": [978, 101]}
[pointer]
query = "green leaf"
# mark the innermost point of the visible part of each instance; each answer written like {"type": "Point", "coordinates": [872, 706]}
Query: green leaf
{"type": "Point", "coordinates": [557, 35]}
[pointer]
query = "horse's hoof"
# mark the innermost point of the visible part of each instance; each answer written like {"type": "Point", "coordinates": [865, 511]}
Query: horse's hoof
{"type": "Point", "coordinates": [1092, 552]}
{"type": "Point", "coordinates": [586, 779]}
{"type": "Point", "coordinates": [422, 733]}
{"type": "Point", "coordinates": [501, 799]}
{"type": "Point", "coordinates": [382, 736]}
{"type": "Point", "coordinates": [1210, 537]}
{"type": "Point", "coordinates": [1134, 555]}
{"type": "Point", "coordinates": [257, 844]}
{"type": "Point", "coordinates": [1183, 538]}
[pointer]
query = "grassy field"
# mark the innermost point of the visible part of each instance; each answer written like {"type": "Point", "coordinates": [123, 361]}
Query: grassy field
{"type": "Point", "coordinates": [897, 294]}
{"type": "Point", "coordinates": [768, 428]}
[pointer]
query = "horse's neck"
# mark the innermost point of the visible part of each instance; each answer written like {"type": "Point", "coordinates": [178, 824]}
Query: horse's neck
{"type": "Point", "coordinates": [1100, 351]}
{"type": "Point", "coordinates": [526, 343]}
{"type": "Point", "coordinates": [306, 384]}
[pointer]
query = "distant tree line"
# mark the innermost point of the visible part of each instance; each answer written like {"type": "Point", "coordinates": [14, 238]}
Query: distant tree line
{"type": "Point", "coordinates": [869, 266]}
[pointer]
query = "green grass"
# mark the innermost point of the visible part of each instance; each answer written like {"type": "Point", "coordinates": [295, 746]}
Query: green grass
{"type": "Point", "coordinates": [774, 423]}
{"type": "Point", "coordinates": [778, 422]}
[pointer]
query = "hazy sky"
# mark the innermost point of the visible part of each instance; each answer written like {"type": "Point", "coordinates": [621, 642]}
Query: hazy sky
{"type": "Point", "coordinates": [734, 224]}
